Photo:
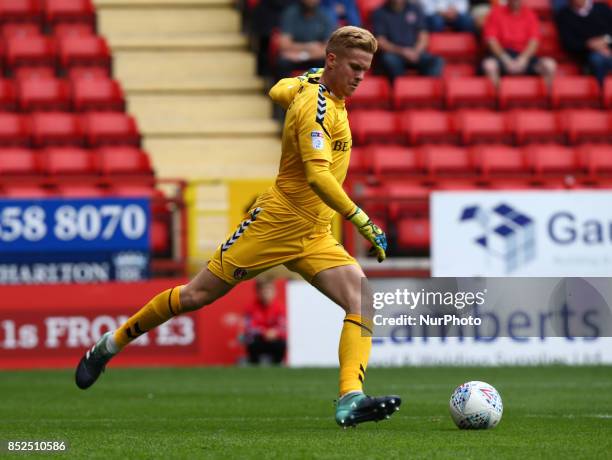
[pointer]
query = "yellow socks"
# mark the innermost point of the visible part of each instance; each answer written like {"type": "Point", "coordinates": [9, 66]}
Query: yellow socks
{"type": "Point", "coordinates": [159, 310]}
{"type": "Point", "coordinates": [354, 352]}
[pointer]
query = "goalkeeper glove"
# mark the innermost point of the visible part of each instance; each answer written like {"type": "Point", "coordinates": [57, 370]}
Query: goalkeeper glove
{"type": "Point", "coordinates": [312, 75]}
{"type": "Point", "coordinates": [371, 232]}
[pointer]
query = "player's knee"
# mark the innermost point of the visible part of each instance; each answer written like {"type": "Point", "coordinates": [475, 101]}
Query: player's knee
{"type": "Point", "coordinates": [352, 304]}
{"type": "Point", "coordinates": [490, 66]}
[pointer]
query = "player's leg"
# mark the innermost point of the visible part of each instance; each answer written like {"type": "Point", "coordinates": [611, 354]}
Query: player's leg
{"type": "Point", "coordinates": [342, 284]}
{"type": "Point", "coordinates": [202, 290]}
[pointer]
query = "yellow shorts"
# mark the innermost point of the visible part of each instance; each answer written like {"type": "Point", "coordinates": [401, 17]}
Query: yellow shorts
{"type": "Point", "coordinates": [272, 234]}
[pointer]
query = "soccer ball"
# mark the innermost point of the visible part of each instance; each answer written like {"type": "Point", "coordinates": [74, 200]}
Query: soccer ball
{"type": "Point", "coordinates": [476, 405]}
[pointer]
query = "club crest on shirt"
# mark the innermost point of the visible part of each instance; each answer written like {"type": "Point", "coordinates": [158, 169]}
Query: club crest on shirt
{"type": "Point", "coordinates": [240, 273]}
{"type": "Point", "coordinates": [411, 17]}
{"type": "Point", "coordinates": [317, 140]}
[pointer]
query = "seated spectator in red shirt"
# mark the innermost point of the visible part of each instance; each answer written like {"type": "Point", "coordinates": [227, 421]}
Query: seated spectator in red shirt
{"type": "Point", "coordinates": [512, 34]}
{"type": "Point", "coordinates": [265, 332]}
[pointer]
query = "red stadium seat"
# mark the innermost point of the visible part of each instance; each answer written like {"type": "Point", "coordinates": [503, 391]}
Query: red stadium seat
{"type": "Point", "coordinates": [482, 126]}
{"type": "Point", "coordinates": [607, 93]}
{"type": "Point", "coordinates": [26, 191]}
{"type": "Point", "coordinates": [446, 159]}
{"type": "Point", "coordinates": [124, 160]}
{"type": "Point", "coordinates": [14, 130]}
{"type": "Point", "coordinates": [458, 70]}
{"type": "Point", "coordinates": [428, 126]}
{"type": "Point", "coordinates": [575, 92]}
{"type": "Point", "coordinates": [565, 69]}
{"type": "Point", "coordinates": [55, 128]}
{"type": "Point", "coordinates": [134, 190]}
{"type": "Point", "coordinates": [97, 94]}
{"type": "Point", "coordinates": [551, 159]}
{"type": "Point", "coordinates": [366, 7]}
{"type": "Point", "coordinates": [70, 11]}
{"type": "Point", "coordinates": [417, 92]}
{"type": "Point", "coordinates": [358, 162]}
{"type": "Point", "coordinates": [523, 92]}
{"type": "Point", "coordinates": [78, 73]}
{"type": "Point", "coordinates": [474, 92]}
{"type": "Point", "coordinates": [19, 161]}
{"type": "Point", "coordinates": [533, 126]}
{"type": "Point", "coordinates": [25, 73]}
{"type": "Point", "coordinates": [446, 183]}
{"type": "Point", "coordinates": [43, 94]}
{"type": "Point", "coordinates": [413, 233]}
{"type": "Point", "coordinates": [81, 191]}
{"type": "Point", "coordinates": [69, 161]}
{"type": "Point", "coordinates": [406, 199]}
{"type": "Point", "coordinates": [20, 11]}
{"type": "Point", "coordinates": [596, 159]}
{"type": "Point", "coordinates": [393, 159]}
{"type": "Point", "coordinates": [84, 51]}
{"type": "Point", "coordinates": [34, 51]}
{"type": "Point", "coordinates": [454, 46]}
{"type": "Point", "coordinates": [588, 126]}
{"type": "Point", "coordinates": [498, 160]}
{"type": "Point", "coordinates": [110, 128]}
{"type": "Point", "coordinates": [67, 29]}
{"type": "Point", "coordinates": [374, 126]}
{"type": "Point", "coordinates": [541, 7]}
{"type": "Point", "coordinates": [373, 93]}
{"type": "Point", "coordinates": [19, 29]}
{"type": "Point", "coordinates": [8, 98]}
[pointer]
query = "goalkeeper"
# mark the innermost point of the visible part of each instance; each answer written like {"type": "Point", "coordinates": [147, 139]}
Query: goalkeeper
{"type": "Point", "coordinates": [290, 224]}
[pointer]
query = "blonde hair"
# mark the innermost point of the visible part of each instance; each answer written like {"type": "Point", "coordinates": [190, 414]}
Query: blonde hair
{"type": "Point", "coordinates": [351, 37]}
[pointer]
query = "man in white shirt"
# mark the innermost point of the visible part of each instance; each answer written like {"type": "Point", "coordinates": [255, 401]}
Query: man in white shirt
{"type": "Point", "coordinates": [448, 13]}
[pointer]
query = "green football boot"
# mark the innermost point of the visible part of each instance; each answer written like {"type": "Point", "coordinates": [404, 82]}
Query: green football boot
{"type": "Point", "coordinates": [355, 408]}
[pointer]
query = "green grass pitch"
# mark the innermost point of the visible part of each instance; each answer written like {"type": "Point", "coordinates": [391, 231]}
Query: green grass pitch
{"type": "Point", "coordinates": [550, 412]}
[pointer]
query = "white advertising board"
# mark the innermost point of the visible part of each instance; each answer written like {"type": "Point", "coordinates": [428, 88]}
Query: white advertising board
{"type": "Point", "coordinates": [548, 233]}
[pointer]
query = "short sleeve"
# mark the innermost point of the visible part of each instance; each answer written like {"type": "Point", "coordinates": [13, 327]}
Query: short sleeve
{"type": "Point", "coordinates": [313, 129]}
{"type": "Point", "coordinates": [379, 25]}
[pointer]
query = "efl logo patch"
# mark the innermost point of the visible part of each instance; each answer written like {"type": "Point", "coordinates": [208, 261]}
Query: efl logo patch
{"type": "Point", "coordinates": [317, 140]}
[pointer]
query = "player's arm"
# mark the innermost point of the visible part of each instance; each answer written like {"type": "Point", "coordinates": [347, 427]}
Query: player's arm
{"type": "Point", "coordinates": [285, 90]}
{"type": "Point", "coordinates": [325, 185]}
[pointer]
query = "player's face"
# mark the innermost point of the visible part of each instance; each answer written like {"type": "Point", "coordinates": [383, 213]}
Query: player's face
{"type": "Point", "coordinates": [349, 68]}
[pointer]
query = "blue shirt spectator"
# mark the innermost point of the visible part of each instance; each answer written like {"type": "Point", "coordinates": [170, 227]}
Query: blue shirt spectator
{"type": "Point", "coordinates": [342, 12]}
{"type": "Point", "coordinates": [400, 29]}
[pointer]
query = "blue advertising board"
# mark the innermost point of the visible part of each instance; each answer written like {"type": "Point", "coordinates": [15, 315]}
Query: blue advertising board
{"type": "Point", "coordinates": [74, 240]}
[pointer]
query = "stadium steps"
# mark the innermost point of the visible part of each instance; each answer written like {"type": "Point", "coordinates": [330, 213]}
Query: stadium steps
{"type": "Point", "coordinates": [190, 81]}
{"type": "Point", "coordinates": [214, 157]}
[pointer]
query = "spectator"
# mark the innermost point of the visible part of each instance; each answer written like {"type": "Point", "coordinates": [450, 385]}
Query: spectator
{"type": "Point", "coordinates": [265, 332]}
{"type": "Point", "coordinates": [453, 13]}
{"type": "Point", "coordinates": [305, 28]}
{"type": "Point", "coordinates": [399, 27]}
{"type": "Point", "coordinates": [342, 12]}
{"type": "Point", "coordinates": [266, 19]}
{"type": "Point", "coordinates": [586, 31]}
{"type": "Point", "coordinates": [512, 34]}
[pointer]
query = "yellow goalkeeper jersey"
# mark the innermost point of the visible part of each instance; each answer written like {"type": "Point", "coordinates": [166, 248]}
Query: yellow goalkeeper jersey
{"type": "Point", "coordinates": [316, 127]}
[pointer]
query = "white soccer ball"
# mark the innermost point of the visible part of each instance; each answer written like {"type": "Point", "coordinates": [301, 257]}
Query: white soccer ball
{"type": "Point", "coordinates": [476, 405]}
